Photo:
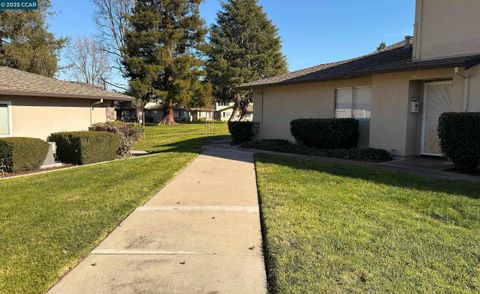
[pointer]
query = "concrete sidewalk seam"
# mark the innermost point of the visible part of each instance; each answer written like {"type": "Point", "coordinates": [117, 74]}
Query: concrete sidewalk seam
{"type": "Point", "coordinates": [142, 252]}
{"type": "Point", "coordinates": [246, 209]}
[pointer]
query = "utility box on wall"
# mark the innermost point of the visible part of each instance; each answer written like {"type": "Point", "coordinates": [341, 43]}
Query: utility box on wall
{"type": "Point", "coordinates": [414, 105]}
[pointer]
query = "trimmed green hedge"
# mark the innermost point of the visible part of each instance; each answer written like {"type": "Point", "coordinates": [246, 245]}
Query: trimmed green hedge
{"type": "Point", "coordinates": [241, 131]}
{"type": "Point", "coordinates": [459, 135]}
{"type": "Point", "coordinates": [364, 154]}
{"type": "Point", "coordinates": [326, 133]}
{"type": "Point", "coordinates": [129, 133]}
{"type": "Point", "coordinates": [22, 154]}
{"type": "Point", "coordinates": [86, 147]}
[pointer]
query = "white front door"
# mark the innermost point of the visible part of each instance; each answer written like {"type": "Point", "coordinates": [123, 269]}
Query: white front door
{"type": "Point", "coordinates": [438, 98]}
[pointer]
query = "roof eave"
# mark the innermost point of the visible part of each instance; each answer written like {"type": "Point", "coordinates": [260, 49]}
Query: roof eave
{"type": "Point", "coordinates": [58, 95]}
{"type": "Point", "coordinates": [355, 75]}
{"type": "Point", "coordinates": [473, 62]}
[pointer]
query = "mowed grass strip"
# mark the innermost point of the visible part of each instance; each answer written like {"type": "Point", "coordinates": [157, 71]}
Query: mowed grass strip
{"type": "Point", "coordinates": [180, 137]}
{"type": "Point", "coordinates": [48, 222]}
{"type": "Point", "coordinates": [344, 228]}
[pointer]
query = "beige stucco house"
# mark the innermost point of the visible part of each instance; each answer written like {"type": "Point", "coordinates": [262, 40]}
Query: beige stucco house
{"type": "Point", "coordinates": [36, 106]}
{"type": "Point", "coordinates": [224, 110]}
{"type": "Point", "coordinates": [155, 111]}
{"type": "Point", "coordinates": [397, 93]}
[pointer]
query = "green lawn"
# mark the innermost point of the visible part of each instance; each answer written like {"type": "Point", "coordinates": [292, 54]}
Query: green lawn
{"type": "Point", "coordinates": [183, 137]}
{"type": "Point", "coordinates": [49, 221]}
{"type": "Point", "coordinates": [343, 228]}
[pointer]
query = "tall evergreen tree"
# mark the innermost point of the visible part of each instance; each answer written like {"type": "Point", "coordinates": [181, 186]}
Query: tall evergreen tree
{"type": "Point", "coordinates": [165, 51]}
{"type": "Point", "coordinates": [244, 47]}
{"type": "Point", "coordinates": [26, 43]}
{"type": "Point", "coordinates": [381, 46]}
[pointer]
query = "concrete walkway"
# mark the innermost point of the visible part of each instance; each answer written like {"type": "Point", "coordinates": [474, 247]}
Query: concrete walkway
{"type": "Point", "coordinates": [200, 234]}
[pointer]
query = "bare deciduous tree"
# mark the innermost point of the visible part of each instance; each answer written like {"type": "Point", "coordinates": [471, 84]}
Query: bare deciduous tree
{"type": "Point", "coordinates": [111, 18]}
{"type": "Point", "coordinates": [88, 62]}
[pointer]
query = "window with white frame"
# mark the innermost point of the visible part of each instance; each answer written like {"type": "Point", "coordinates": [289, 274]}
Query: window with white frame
{"type": "Point", "coordinates": [5, 119]}
{"type": "Point", "coordinates": [353, 102]}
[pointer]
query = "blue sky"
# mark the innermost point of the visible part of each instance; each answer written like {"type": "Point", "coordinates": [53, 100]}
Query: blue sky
{"type": "Point", "coordinates": [312, 31]}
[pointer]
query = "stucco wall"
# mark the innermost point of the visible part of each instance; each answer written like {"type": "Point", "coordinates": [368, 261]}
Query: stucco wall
{"type": "Point", "coordinates": [446, 28]}
{"type": "Point", "coordinates": [393, 127]}
{"type": "Point", "coordinates": [276, 107]}
{"type": "Point", "coordinates": [39, 117]}
{"type": "Point", "coordinates": [474, 89]}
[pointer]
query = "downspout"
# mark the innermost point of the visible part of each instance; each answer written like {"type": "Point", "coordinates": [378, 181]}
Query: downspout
{"type": "Point", "coordinates": [466, 89]}
{"type": "Point", "coordinates": [91, 109]}
{"type": "Point", "coordinates": [261, 120]}
{"type": "Point", "coordinates": [418, 30]}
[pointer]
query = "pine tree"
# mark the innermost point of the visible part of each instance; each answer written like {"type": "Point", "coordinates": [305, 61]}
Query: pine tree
{"type": "Point", "coordinates": [381, 46]}
{"type": "Point", "coordinates": [165, 51]}
{"type": "Point", "coordinates": [26, 43]}
{"type": "Point", "coordinates": [244, 47]}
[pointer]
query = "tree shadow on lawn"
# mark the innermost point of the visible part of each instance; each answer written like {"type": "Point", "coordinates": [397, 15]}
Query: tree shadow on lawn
{"type": "Point", "coordinates": [193, 145]}
{"type": "Point", "coordinates": [378, 175]}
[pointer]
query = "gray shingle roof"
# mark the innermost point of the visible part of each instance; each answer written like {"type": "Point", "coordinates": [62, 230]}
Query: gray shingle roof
{"type": "Point", "coordinates": [17, 82]}
{"type": "Point", "coordinates": [397, 57]}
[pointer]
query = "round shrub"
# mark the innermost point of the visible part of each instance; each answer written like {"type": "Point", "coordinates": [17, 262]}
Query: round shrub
{"type": "Point", "coordinates": [22, 154]}
{"type": "Point", "coordinates": [129, 133]}
{"type": "Point", "coordinates": [326, 133]}
{"type": "Point", "coordinates": [241, 131]}
{"type": "Point", "coordinates": [459, 134]}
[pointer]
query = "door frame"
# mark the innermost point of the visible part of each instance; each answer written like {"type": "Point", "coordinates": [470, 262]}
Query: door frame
{"type": "Point", "coordinates": [424, 111]}
{"type": "Point", "coordinates": [10, 119]}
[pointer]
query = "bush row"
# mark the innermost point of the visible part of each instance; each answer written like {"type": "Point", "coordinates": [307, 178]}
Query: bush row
{"type": "Point", "coordinates": [320, 137]}
{"type": "Point", "coordinates": [318, 133]}
{"type": "Point", "coordinates": [104, 142]}
{"type": "Point", "coordinates": [363, 154]}
{"type": "Point", "coordinates": [22, 154]}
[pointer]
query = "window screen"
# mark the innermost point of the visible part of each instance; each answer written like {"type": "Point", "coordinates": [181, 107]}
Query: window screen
{"type": "Point", "coordinates": [4, 120]}
{"type": "Point", "coordinates": [343, 103]}
{"type": "Point", "coordinates": [353, 102]}
{"type": "Point", "coordinates": [361, 103]}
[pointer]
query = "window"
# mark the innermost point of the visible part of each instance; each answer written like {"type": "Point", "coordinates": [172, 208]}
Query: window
{"type": "Point", "coordinates": [343, 103]}
{"type": "Point", "coordinates": [353, 102]}
{"type": "Point", "coordinates": [362, 103]}
{"type": "Point", "coordinates": [5, 119]}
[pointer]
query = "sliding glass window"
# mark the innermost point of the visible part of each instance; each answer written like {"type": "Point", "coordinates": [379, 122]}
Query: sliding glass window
{"type": "Point", "coordinates": [353, 102]}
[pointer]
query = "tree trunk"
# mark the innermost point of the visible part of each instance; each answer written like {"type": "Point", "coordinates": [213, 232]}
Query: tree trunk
{"type": "Point", "coordinates": [139, 110]}
{"type": "Point", "coordinates": [236, 108]}
{"type": "Point", "coordinates": [243, 110]}
{"type": "Point", "coordinates": [168, 118]}
{"type": "Point", "coordinates": [243, 116]}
